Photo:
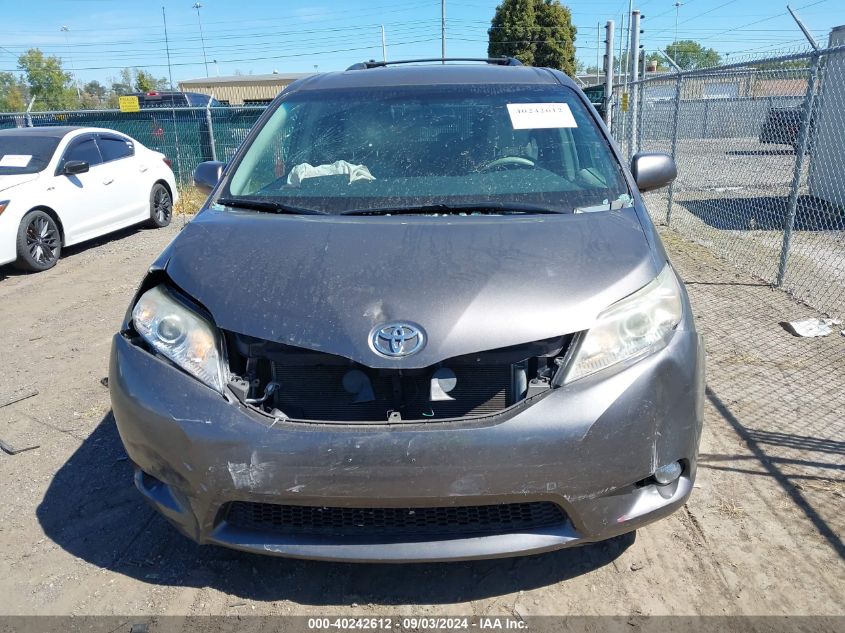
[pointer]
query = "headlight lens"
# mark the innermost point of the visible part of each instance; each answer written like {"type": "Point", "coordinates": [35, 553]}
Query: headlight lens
{"type": "Point", "coordinates": [181, 335]}
{"type": "Point", "coordinates": [636, 326]}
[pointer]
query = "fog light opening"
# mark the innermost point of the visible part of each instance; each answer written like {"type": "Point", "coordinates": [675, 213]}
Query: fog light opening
{"type": "Point", "coordinates": [668, 474]}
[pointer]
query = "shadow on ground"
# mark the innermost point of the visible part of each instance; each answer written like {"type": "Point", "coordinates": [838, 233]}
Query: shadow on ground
{"type": "Point", "coordinates": [766, 213]}
{"type": "Point", "coordinates": [773, 466]}
{"type": "Point", "coordinates": [781, 394]}
{"type": "Point", "coordinates": [92, 511]}
{"type": "Point", "coordinates": [8, 270]}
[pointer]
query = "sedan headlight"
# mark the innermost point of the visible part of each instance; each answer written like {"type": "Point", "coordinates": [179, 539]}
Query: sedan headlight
{"type": "Point", "coordinates": [632, 328]}
{"type": "Point", "coordinates": [180, 334]}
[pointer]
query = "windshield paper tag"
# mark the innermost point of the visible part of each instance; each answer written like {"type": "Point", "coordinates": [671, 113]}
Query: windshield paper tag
{"type": "Point", "coordinates": [15, 160]}
{"type": "Point", "coordinates": [535, 116]}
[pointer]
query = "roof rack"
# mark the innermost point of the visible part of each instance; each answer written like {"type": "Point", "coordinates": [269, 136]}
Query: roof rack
{"type": "Point", "coordinates": [498, 61]}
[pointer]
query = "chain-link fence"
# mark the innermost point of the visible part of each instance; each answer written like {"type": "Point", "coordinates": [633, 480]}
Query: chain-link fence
{"type": "Point", "coordinates": [188, 136]}
{"type": "Point", "coordinates": [760, 148]}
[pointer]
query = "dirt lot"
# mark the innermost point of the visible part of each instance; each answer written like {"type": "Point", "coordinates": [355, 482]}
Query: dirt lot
{"type": "Point", "coordinates": [762, 533]}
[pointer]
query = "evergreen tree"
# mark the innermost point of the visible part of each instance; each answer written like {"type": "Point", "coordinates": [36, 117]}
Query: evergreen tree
{"type": "Point", "coordinates": [536, 32]}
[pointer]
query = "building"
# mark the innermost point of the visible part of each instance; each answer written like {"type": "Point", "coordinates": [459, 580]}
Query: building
{"type": "Point", "coordinates": [827, 156]}
{"type": "Point", "coordinates": [242, 89]}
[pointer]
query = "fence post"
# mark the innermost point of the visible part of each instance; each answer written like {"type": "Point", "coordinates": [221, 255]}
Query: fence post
{"type": "Point", "coordinates": [639, 121]}
{"type": "Point", "coordinates": [800, 151]}
{"type": "Point", "coordinates": [210, 130]}
{"type": "Point", "coordinates": [28, 110]}
{"type": "Point", "coordinates": [679, 82]}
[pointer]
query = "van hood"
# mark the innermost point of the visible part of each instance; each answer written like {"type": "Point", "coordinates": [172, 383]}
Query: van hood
{"type": "Point", "coordinates": [472, 283]}
{"type": "Point", "coordinates": [9, 181]}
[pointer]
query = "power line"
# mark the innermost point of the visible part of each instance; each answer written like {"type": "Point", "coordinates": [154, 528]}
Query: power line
{"type": "Point", "coordinates": [267, 58]}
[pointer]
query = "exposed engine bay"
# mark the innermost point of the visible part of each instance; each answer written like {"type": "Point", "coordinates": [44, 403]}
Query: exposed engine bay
{"type": "Point", "coordinates": [304, 385]}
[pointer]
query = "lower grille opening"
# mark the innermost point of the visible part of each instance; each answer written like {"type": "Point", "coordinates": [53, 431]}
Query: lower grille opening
{"type": "Point", "coordinates": [438, 521]}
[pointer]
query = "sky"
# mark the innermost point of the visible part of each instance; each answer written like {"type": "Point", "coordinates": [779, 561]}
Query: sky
{"type": "Point", "coordinates": [262, 36]}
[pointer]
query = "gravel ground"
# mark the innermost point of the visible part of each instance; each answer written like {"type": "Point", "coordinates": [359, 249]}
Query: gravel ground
{"type": "Point", "coordinates": [762, 533]}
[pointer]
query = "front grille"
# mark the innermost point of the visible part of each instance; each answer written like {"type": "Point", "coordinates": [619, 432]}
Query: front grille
{"type": "Point", "coordinates": [406, 522]}
{"type": "Point", "coordinates": [316, 393]}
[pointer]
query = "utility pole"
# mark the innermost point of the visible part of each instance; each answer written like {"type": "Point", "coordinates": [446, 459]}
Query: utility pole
{"type": "Point", "coordinates": [170, 76]}
{"type": "Point", "coordinates": [675, 42]}
{"type": "Point", "coordinates": [198, 6]}
{"type": "Point", "coordinates": [608, 71]}
{"type": "Point", "coordinates": [167, 48]}
{"type": "Point", "coordinates": [598, 49]}
{"type": "Point", "coordinates": [383, 44]}
{"type": "Point", "coordinates": [66, 30]}
{"type": "Point", "coordinates": [627, 47]}
{"type": "Point", "coordinates": [622, 70]}
{"type": "Point", "coordinates": [623, 79]}
{"type": "Point", "coordinates": [634, 73]}
{"type": "Point", "coordinates": [443, 30]}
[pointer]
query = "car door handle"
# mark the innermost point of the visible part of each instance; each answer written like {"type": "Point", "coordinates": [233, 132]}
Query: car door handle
{"type": "Point", "coordinates": [142, 168]}
{"type": "Point", "coordinates": [108, 181]}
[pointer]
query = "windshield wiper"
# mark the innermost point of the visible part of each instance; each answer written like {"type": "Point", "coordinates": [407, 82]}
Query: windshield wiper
{"type": "Point", "coordinates": [266, 206]}
{"type": "Point", "coordinates": [493, 208]}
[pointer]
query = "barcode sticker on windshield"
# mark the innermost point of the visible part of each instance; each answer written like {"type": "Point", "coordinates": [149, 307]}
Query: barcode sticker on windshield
{"type": "Point", "coordinates": [535, 116]}
{"type": "Point", "coordinates": [15, 160]}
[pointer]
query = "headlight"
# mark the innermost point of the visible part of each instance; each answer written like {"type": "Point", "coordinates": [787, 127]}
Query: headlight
{"type": "Point", "coordinates": [3, 205]}
{"type": "Point", "coordinates": [181, 335]}
{"type": "Point", "coordinates": [636, 326]}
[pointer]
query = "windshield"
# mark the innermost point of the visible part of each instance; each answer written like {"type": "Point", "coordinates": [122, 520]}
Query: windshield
{"type": "Point", "coordinates": [352, 150]}
{"type": "Point", "coordinates": [25, 154]}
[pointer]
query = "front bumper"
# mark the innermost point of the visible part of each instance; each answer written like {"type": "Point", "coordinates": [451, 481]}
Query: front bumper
{"type": "Point", "coordinates": [583, 447]}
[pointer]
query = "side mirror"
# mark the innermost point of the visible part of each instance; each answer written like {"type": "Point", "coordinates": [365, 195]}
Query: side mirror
{"type": "Point", "coordinates": [73, 167]}
{"type": "Point", "coordinates": [207, 175]}
{"type": "Point", "coordinates": [653, 170]}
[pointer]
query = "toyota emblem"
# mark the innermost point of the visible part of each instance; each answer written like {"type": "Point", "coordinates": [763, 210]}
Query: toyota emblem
{"type": "Point", "coordinates": [397, 340]}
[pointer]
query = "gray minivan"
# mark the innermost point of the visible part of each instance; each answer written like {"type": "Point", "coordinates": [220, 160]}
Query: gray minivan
{"type": "Point", "coordinates": [423, 315]}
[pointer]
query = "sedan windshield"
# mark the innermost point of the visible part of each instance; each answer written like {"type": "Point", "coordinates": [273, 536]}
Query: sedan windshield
{"type": "Point", "coordinates": [432, 148]}
{"type": "Point", "coordinates": [25, 154]}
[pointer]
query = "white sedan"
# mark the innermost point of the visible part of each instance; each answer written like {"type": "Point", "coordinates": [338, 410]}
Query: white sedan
{"type": "Point", "coordinates": [64, 185]}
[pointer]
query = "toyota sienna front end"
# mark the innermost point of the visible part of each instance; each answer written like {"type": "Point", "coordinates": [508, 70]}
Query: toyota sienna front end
{"type": "Point", "coordinates": [424, 315]}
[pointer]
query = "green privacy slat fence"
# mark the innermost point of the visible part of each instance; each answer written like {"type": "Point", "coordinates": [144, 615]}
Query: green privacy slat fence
{"type": "Point", "coordinates": [187, 136]}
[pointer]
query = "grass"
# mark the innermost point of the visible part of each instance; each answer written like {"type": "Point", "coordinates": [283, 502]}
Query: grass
{"type": "Point", "coordinates": [190, 200]}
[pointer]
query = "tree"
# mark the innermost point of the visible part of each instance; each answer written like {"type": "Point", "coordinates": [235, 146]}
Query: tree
{"type": "Point", "coordinates": [122, 85]}
{"type": "Point", "coordinates": [145, 82]}
{"type": "Point", "coordinates": [556, 37]}
{"type": "Point", "coordinates": [95, 89]}
{"type": "Point", "coordinates": [689, 54]}
{"type": "Point", "coordinates": [48, 83]}
{"type": "Point", "coordinates": [792, 64]}
{"type": "Point", "coordinates": [536, 32]}
{"type": "Point", "coordinates": [13, 93]}
{"type": "Point", "coordinates": [136, 80]}
{"type": "Point", "coordinates": [94, 95]}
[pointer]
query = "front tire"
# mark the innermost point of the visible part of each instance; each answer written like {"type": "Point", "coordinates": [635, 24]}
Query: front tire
{"type": "Point", "coordinates": [39, 242]}
{"type": "Point", "coordinates": [161, 206]}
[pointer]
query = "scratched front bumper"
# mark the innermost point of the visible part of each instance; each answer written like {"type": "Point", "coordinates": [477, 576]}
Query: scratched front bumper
{"type": "Point", "coordinates": [584, 447]}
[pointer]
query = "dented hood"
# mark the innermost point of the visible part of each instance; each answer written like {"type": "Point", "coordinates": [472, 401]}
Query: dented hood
{"type": "Point", "coordinates": [472, 283]}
